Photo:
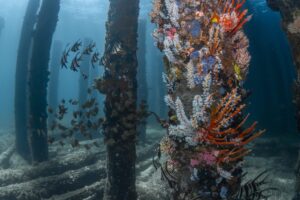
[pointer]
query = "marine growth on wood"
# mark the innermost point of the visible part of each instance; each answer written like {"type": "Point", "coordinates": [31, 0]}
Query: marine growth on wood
{"type": "Point", "coordinates": [206, 60]}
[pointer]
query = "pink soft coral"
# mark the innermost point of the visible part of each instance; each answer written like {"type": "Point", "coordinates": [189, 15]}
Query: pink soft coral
{"type": "Point", "coordinates": [205, 158]}
{"type": "Point", "coordinates": [171, 33]}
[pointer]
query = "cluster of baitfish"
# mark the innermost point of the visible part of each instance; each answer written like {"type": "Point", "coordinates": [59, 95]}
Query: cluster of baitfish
{"type": "Point", "coordinates": [207, 61]}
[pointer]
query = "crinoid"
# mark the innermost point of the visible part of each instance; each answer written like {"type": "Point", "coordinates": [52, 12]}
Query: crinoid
{"type": "Point", "coordinates": [255, 189]}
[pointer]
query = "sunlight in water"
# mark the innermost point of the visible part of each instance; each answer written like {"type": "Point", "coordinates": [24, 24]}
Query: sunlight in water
{"type": "Point", "coordinates": [88, 9]}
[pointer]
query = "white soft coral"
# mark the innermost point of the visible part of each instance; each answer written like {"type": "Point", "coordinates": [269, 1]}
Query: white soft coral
{"type": "Point", "coordinates": [173, 12]}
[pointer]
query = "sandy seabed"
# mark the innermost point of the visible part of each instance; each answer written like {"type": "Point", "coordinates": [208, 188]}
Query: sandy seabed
{"type": "Point", "coordinates": [277, 157]}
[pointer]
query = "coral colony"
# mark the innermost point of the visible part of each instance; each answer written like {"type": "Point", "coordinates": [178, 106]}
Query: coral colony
{"type": "Point", "coordinates": [206, 60]}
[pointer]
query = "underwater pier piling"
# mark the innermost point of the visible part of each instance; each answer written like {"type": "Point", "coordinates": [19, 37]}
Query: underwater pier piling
{"type": "Point", "coordinates": [289, 11]}
{"type": "Point", "coordinates": [196, 72]}
{"type": "Point", "coordinates": [38, 79]}
{"type": "Point", "coordinates": [120, 128]}
{"type": "Point", "coordinates": [21, 80]}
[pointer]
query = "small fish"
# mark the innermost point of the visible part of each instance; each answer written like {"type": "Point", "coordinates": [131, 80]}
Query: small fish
{"type": "Point", "coordinates": [62, 110]}
{"type": "Point", "coordinates": [173, 118]}
{"type": "Point", "coordinates": [237, 71]}
{"type": "Point", "coordinates": [89, 49]}
{"type": "Point", "coordinates": [104, 61]}
{"type": "Point", "coordinates": [84, 76]}
{"type": "Point", "coordinates": [76, 46]}
{"type": "Point", "coordinates": [215, 18]}
{"type": "Point", "coordinates": [74, 102]}
{"type": "Point", "coordinates": [95, 59]}
{"type": "Point", "coordinates": [75, 114]}
{"type": "Point", "coordinates": [75, 63]}
{"type": "Point", "coordinates": [89, 103]}
{"type": "Point", "coordinates": [64, 59]}
{"type": "Point", "coordinates": [117, 48]}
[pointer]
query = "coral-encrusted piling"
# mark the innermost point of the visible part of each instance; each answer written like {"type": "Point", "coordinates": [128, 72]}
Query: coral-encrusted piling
{"type": "Point", "coordinates": [120, 87]}
{"type": "Point", "coordinates": [206, 60]}
{"type": "Point", "coordinates": [289, 11]}
{"type": "Point", "coordinates": [38, 79]}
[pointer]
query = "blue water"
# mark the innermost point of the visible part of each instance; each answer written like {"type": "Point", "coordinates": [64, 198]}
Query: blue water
{"type": "Point", "coordinates": [271, 72]}
{"type": "Point", "coordinates": [270, 78]}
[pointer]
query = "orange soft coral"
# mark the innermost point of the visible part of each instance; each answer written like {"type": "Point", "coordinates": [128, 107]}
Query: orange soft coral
{"type": "Point", "coordinates": [233, 18]}
{"type": "Point", "coordinates": [224, 133]}
{"type": "Point", "coordinates": [221, 129]}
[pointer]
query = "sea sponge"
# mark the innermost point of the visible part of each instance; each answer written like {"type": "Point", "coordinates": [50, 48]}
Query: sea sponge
{"type": "Point", "coordinates": [294, 27]}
